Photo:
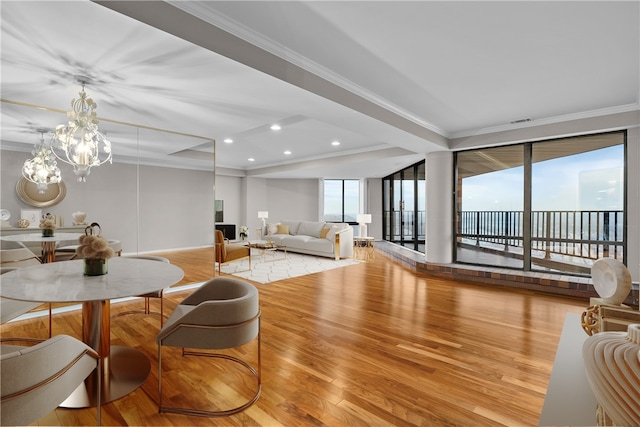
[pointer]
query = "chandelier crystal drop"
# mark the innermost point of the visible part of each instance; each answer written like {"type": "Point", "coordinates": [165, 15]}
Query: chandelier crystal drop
{"type": "Point", "coordinates": [42, 169]}
{"type": "Point", "coordinates": [80, 143]}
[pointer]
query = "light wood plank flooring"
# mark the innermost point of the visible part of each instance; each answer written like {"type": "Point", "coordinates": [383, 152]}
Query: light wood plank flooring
{"type": "Point", "coordinates": [369, 344]}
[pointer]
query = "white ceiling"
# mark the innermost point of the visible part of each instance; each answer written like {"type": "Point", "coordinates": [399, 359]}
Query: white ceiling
{"type": "Point", "coordinates": [390, 80]}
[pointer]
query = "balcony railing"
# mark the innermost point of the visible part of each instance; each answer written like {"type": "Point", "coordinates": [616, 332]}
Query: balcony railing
{"type": "Point", "coordinates": [402, 224]}
{"type": "Point", "coordinates": [584, 234]}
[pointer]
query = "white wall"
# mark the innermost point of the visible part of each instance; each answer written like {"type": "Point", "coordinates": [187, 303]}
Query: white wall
{"type": "Point", "coordinates": [633, 202]}
{"type": "Point", "coordinates": [256, 200]}
{"type": "Point", "coordinates": [374, 207]}
{"type": "Point", "coordinates": [292, 199]}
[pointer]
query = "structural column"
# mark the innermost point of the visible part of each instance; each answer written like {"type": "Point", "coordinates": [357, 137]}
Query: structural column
{"type": "Point", "coordinates": [439, 235]}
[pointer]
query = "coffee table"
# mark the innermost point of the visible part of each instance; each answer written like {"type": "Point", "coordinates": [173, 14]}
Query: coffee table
{"type": "Point", "coordinates": [265, 247]}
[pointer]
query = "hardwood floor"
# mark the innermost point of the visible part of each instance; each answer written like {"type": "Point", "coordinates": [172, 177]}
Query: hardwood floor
{"type": "Point", "coordinates": [368, 344]}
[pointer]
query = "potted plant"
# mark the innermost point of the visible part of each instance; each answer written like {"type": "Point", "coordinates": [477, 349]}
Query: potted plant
{"type": "Point", "coordinates": [95, 250]}
{"type": "Point", "coordinates": [48, 225]}
{"type": "Point", "coordinates": [244, 232]}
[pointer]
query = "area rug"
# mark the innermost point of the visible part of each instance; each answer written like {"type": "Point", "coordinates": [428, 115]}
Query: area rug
{"type": "Point", "coordinates": [274, 266]}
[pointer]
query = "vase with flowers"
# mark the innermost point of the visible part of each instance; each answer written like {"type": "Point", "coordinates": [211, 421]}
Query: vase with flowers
{"type": "Point", "coordinates": [48, 225]}
{"type": "Point", "coordinates": [244, 232]}
{"type": "Point", "coordinates": [95, 250]}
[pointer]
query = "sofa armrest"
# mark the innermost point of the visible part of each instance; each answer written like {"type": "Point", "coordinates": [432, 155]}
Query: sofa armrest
{"type": "Point", "coordinates": [343, 243]}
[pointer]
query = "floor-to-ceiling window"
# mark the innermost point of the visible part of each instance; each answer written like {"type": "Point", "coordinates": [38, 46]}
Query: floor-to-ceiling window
{"type": "Point", "coordinates": [341, 200]}
{"type": "Point", "coordinates": [577, 202]}
{"type": "Point", "coordinates": [554, 205]}
{"type": "Point", "coordinates": [404, 195]}
{"type": "Point", "coordinates": [490, 206]}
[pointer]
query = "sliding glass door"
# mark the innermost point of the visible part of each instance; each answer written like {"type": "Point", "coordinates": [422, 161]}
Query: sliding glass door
{"type": "Point", "coordinates": [490, 206]}
{"type": "Point", "coordinates": [404, 195]}
{"type": "Point", "coordinates": [555, 205]}
{"type": "Point", "coordinates": [577, 202]}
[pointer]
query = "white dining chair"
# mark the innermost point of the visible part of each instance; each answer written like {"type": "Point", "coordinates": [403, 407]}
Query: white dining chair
{"type": "Point", "coordinates": [223, 313]}
{"type": "Point", "coordinates": [12, 258]}
{"type": "Point", "coordinates": [35, 380]}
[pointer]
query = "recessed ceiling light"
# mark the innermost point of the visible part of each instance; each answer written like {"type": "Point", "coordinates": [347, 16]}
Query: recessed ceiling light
{"type": "Point", "coordinates": [228, 140]}
{"type": "Point", "coordinates": [275, 127]}
{"type": "Point", "coordinates": [287, 152]}
{"type": "Point", "coordinates": [336, 143]}
{"type": "Point", "coordinates": [251, 159]}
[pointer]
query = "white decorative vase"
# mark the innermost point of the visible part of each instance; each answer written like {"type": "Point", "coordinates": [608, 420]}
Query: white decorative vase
{"type": "Point", "coordinates": [612, 364]}
{"type": "Point", "coordinates": [79, 218]}
{"type": "Point", "coordinates": [611, 280]}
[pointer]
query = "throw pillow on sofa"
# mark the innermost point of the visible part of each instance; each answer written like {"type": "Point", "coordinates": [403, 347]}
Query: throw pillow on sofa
{"type": "Point", "coordinates": [272, 228]}
{"type": "Point", "coordinates": [282, 229]}
{"type": "Point", "coordinates": [293, 226]}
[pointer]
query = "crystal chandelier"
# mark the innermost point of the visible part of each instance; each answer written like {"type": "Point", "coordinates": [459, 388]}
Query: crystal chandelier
{"type": "Point", "coordinates": [80, 141]}
{"type": "Point", "coordinates": [42, 170]}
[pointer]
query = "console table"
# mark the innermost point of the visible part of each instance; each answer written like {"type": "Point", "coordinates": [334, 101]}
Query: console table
{"type": "Point", "coordinates": [569, 399]}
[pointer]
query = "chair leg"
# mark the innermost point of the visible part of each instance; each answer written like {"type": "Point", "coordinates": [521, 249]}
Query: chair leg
{"type": "Point", "coordinates": [50, 321]}
{"type": "Point", "coordinates": [159, 378]}
{"type": "Point", "coordinates": [203, 413]}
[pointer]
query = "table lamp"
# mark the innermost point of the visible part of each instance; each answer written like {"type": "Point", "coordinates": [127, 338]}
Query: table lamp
{"type": "Point", "coordinates": [263, 215]}
{"type": "Point", "coordinates": [363, 220]}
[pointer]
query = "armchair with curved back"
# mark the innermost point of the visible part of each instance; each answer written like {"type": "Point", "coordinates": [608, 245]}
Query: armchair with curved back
{"type": "Point", "coordinates": [227, 252]}
{"type": "Point", "coordinates": [35, 380]}
{"type": "Point", "coordinates": [223, 313]}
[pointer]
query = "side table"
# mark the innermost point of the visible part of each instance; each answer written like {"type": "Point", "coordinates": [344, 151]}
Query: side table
{"type": "Point", "coordinates": [363, 249]}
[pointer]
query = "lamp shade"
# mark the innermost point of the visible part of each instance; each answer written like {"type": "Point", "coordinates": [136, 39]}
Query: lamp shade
{"type": "Point", "coordinates": [263, 214]}
{"type": "Point", "coordinates": [364, 218]}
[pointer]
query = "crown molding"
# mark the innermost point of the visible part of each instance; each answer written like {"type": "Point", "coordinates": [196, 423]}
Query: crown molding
{"type": "Point", "coordinates": [549, 120]}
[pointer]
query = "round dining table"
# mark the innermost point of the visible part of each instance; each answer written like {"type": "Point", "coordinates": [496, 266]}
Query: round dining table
{"type": "Point", "coordinates": [124, 369]}
{"type": "Point", "coordinates": [48, 243]}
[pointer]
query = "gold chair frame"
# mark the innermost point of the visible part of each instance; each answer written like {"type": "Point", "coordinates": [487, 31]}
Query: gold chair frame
{"type": "Point", "coordinates": [257, 373]}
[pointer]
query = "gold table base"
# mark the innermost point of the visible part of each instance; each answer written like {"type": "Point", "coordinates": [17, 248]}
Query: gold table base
{"type": "Point", "coordinates": [124, 370]}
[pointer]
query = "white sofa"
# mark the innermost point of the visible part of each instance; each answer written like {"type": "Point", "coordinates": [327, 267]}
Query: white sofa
{"type": "Point", "coordinates": [334, 240]}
